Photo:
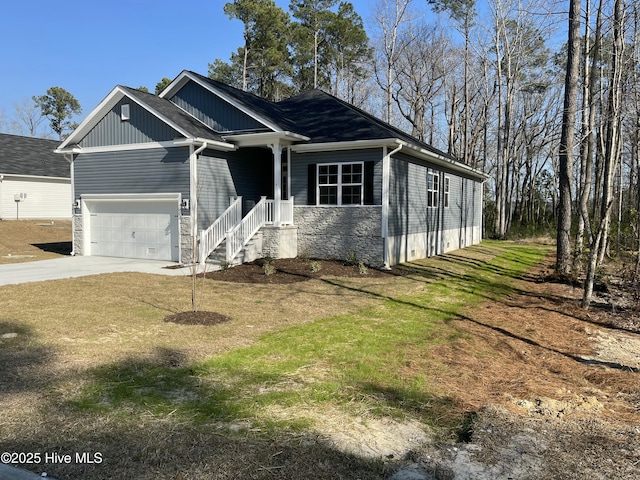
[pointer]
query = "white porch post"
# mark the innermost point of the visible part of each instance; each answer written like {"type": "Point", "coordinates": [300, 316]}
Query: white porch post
{"type": "Point", "coordinates": [277, 182]}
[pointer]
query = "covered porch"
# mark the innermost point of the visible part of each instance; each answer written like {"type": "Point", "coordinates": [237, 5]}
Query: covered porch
{"type": "Point", "coordinates": [238, 225]}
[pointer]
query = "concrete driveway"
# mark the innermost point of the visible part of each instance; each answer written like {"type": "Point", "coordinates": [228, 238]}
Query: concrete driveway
{"type": "Point", "coordinates": [69, 267]}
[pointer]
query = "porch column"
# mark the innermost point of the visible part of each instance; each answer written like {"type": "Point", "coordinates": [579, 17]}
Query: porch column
{"type": "Point", "coordinates": [277, 182]}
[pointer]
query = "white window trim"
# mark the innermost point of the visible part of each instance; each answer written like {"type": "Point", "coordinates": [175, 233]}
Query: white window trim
{"type": "Point", "coordinates": [447, 190]}
{"type": "Point", "coordinates": [433, 193]}
{"type": "Point", "coordinates": [339, 185]}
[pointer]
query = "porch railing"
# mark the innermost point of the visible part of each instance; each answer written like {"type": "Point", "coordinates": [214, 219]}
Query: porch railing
{"type": "Point", "coordinates": [286, 212]}
{"type": "Point", "coordinates": [238, 237]}
{"type": "Point", "coordinates": [237, 230]}
{"type": "Point", "coordinates": [216, 233]}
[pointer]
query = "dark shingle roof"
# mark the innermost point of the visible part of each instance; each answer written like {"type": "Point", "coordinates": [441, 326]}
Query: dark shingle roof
{"type": "Point", "coordinates": [325, 118]}
{"type": "Point", "coordinates": [31, 156]}
{"type": "Point", "coordinates": [266, 109]}
{"type": "Point", "coordinates": [178, 116]}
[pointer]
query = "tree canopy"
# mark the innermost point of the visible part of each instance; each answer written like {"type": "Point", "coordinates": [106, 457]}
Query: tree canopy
{"type": "Point", "coordinates": [59, 106]}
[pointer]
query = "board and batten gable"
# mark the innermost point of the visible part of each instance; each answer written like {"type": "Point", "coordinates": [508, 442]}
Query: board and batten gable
{"type": "Point", "coordinates": [140, 126]}
{"type": "Point", "coordinates": [213, 110]}
{"type": "Point", "coordinates": [300, 169]}
{"type": "Point", "coordinates": [154, 170]}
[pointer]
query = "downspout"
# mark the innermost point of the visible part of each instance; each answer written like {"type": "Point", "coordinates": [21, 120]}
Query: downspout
{"type": "Point", "coordinates": [193, 194]}
{"type": "Point", "coordinates": [69, 158]}
{"type": "Point", "coordinates": [386, 174]}
{"type": "Point", "coordinates": [1, 179]}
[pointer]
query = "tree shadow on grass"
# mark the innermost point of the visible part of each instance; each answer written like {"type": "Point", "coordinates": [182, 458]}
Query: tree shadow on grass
{"type": "Point", "coordinates": [24, 361]}
{"type": "Point", "coordinates": [158, 417]}
{"type": "Point", "coordinates": [163, 449]}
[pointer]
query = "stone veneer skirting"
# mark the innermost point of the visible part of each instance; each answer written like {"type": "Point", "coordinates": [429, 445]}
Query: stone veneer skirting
{"type": "Point", "coordinates": [337, 232]}
{"type": "Point", "coordinates": [78, 244]}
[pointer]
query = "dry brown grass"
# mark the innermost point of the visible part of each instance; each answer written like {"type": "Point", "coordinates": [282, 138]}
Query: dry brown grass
{"type": "Point", "coordinates": [510, 360]}
{"type": "Point", "coordinates": [29, 240]}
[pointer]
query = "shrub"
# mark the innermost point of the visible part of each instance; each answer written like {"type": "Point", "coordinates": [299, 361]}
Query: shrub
{"type": "Point", "coordinates": [362, 268]}
{"type": "Point", "coordinates": [351, 258]}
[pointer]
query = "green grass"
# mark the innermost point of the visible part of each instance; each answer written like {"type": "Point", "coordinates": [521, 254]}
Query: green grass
{"type": "Point", "coordinates": [354, 361]}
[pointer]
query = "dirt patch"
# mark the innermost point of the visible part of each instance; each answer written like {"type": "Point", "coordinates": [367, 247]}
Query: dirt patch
{"type": "Point", "coordinates": [197, 318]}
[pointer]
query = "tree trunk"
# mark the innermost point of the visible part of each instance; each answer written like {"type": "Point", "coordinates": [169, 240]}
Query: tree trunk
{"type": "Point", "coordinates": [612, 145]}
{"type": "Point", "coordinates": [588, 141]}
{"type": "Point", "coordinates": [565, 177]}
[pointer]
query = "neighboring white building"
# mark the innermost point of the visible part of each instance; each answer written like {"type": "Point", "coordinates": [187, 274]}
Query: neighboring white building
{"type": "Point", "coordinates": [35, 183]}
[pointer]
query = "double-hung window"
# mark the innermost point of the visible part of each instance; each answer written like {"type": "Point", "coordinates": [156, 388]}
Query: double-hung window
{"type": "Point", "coordinates": [340, 184]}
{"type": "Point", "coordinates": [433, 187]}
{"type": "Point", "coordinates": [447, 182]}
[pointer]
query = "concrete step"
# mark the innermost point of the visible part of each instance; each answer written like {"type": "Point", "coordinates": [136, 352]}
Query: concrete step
{"type": "Point", "coordinates": [251, 251]}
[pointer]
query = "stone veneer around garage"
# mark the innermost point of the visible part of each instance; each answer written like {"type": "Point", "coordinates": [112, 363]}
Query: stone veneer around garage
{"type": "Point", "coordinates": [334, 232]}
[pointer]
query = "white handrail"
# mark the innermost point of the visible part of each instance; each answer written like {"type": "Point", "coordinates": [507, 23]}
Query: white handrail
{"type": "Point", "coordinates": [215, 234]}
{"type": "Point", "coordinates": [238, 237]}
{"type": "Point", "coordinates": [286, 212]}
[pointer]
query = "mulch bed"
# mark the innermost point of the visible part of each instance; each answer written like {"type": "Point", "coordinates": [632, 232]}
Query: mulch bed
{"type": "Point", "coordinates": [292, 270]}
{"type": "Point", "coordinates": [197, 318]}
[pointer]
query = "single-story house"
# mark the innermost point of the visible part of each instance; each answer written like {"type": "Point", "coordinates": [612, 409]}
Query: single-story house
{"type": "Point", "coordinates": [205, 166]}
{"type": "Point", "coordinates": [35, 183]}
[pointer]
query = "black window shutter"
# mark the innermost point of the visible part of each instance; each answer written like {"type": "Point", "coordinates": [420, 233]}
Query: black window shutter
{"type": "Point", "coordinates": [368, 182]}
{"type": "Point", "coordinates": [311, 185]}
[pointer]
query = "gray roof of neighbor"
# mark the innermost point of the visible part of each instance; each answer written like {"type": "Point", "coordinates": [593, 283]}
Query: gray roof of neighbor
{"type": "Point", "coordinates": [31, 156]}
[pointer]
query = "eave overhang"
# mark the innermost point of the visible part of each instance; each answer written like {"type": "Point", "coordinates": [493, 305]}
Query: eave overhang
{"type": "Point", "coordinates": [262, 139]}
{"type": "Point", "coordinates": [405, 147]}
{"type": "Point", "coordinates": [198, 142]}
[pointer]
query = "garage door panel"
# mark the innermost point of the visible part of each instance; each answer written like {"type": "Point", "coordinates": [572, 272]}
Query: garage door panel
{"type": "Point", "coordinates": [135, 229]}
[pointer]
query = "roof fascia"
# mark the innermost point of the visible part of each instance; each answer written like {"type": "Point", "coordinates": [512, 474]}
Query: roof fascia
{"type": "Point", "coordinates": [185, 76]}
{"type": "Point", "coordinates": [406, 147]}
{"type": "Point", "coordinates": [439, 160]}
{"type": "Point", "coordinates": [352, 145]}
{"type": "Point", "coordinates": [6, 176]}
{"type": "Point", "coordinates": [216, 144]}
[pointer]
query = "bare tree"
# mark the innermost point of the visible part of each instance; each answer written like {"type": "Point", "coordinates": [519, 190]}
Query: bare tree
{"type": "Point", "coordinates": [28, 117]}
{"type": "Point", "coordinates": [419, 74]}
{"type": "Point", "coordinates": [389, 17]}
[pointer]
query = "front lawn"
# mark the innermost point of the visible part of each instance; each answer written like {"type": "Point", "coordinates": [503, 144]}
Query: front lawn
{"type": "Point", "coordinates": [330, 377]}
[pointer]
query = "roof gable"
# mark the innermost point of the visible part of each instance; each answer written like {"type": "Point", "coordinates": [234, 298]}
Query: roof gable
{"type": "Point", "coordinates": [213, 110]}
{"type": "Point", "coordinates": [263, 111]}
{"type": "Point", "coordinates": [32, 157]}
{"type": "Point", "coordinates": [175, 120]}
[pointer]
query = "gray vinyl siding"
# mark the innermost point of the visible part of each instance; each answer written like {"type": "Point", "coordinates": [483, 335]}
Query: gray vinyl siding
{"type": "Point", "coordinates": [142, 127]}
{"type": "Point", "coordinates": [247, 173]}
{"type": "Point", "coordinates": [408, 210]}
{"type": "Point", "coordinates": [212, 110]}
{"type": "Point", "coordinates": [157, 170]}
{"type": "Point", "coordinates": [300, 169]}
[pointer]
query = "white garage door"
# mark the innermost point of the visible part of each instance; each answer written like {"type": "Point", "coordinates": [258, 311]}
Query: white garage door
{"type": "Point", "coordinates": [134, 229]}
